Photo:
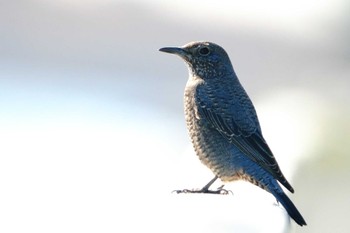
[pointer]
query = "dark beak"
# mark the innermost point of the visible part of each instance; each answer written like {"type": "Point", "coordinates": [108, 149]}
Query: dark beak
{"type": "Point", "coordinates": [174, 50]}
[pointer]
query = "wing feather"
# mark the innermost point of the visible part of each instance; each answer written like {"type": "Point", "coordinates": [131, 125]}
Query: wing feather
{"type": "Point", "coordinates": [250, 142]}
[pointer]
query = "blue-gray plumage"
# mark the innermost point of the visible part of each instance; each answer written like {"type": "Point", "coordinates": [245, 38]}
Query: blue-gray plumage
{"type": "Point", "coordinates": [223, 124]}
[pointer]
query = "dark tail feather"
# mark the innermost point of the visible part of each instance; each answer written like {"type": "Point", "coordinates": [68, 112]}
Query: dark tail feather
{"type": "Point", "coordinates": [290, 208]}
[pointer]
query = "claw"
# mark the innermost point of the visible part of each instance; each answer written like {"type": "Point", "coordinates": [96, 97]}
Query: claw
{"type": "Point", "coordinates": [220, 190]}
{"type": "Point", "coordinates": [182, 191]}
{"type": "Point", "coordinates": [206, 189]}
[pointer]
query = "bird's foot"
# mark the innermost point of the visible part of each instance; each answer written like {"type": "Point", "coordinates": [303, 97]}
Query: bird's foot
{"type": "Point", "coordinates": [223, 191]}
{"type": "Point", "coordinates": [220, 190]}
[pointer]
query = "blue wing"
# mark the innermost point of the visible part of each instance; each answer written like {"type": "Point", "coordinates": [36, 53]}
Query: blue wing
{"type": "Point", "coordinates": [233, 115]}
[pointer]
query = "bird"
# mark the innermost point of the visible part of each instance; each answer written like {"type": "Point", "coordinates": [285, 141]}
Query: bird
{"type": "Point", "coordinates": [223, 124]}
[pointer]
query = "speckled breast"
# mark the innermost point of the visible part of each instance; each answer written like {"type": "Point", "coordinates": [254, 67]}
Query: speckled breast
{"type": "Point", "coordinates": [210, 146]}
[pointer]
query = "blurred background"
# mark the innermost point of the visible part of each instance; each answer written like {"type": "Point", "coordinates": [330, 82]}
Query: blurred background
{"type": "Point", "coordinates": [92, 131]}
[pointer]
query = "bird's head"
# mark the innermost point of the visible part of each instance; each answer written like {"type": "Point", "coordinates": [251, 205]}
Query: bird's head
{"type": "Point", "coordinates": [205, 60]}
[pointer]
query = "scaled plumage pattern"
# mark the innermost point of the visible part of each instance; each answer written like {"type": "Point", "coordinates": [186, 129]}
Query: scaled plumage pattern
{"type": "Point", "coordinates": [223, 125]}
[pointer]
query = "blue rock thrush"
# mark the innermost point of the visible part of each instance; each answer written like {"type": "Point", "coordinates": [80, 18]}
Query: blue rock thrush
{"type": "Point", "coordinates": [223, 124]}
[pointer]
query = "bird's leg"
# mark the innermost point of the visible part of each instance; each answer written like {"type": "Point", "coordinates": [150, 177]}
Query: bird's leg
{"type": "Point", "coordinates": [206, 189]}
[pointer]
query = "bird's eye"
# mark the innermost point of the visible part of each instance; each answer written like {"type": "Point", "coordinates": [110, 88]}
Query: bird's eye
{"type": "Point", "coordinates": [204, 51]}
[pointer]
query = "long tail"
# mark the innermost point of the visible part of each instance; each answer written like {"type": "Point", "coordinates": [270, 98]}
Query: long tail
{"type": "Point", "coordinates": [290, 208]}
